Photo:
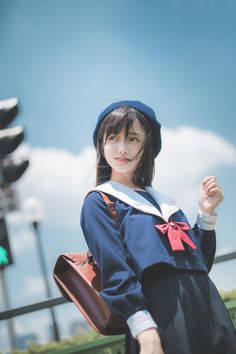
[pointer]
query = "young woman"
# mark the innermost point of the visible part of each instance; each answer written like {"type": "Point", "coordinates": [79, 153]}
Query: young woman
{"type": "Point", "coordinates": [154, 267]}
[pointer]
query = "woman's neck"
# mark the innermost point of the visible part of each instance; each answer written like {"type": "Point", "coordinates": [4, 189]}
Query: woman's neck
{"type": "Point", "coordinates": [126, 181]}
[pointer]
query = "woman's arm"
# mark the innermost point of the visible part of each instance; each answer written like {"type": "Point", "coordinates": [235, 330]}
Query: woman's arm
{"type": "Point", "coordinates": [121, 289]}
{"type": "Point", "coordinates": [210, 197]}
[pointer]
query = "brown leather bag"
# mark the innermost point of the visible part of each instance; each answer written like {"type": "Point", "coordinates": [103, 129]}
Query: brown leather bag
{"type": "Point", "coordinates": [78, 278]}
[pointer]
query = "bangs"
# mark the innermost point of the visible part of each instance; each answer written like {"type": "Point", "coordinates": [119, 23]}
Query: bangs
{"type": "Point", "coordinates": [119, 119]}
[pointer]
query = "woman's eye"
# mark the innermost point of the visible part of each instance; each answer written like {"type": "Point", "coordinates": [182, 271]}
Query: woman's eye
{"type": "Point", "coordinates": [133, 139]}
{"type": "Point", "coordinates": [111, 137]}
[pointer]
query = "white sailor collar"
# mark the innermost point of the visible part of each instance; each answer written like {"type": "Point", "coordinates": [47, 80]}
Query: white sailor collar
{"type": "Point", "coordinates": [137, 201]}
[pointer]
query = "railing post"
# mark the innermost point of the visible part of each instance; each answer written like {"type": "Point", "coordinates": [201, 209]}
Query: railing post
{"type": "Point", "coordinates": [10, 325]}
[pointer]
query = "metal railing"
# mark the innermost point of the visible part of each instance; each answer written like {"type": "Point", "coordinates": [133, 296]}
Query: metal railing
{"type": "Point", "coordinates": [4, 315]}
{"type": "Point", "coordinates": [225, 257]}
{"type": "Point", "coordinates": [116, 344]}
{"type": "Point", "coordinates": [109, 345]}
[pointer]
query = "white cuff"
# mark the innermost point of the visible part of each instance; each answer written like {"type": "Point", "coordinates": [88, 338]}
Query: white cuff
{"type": "Point", "coordinates": [205, 221]}
{"type": "Point", "coordinates": [140, 321]}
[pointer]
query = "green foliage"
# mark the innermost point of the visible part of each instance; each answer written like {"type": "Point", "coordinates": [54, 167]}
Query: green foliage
{"type": "Point", "coordinates": [51, 346]}
{"type": "Point", "coordinates": [228, 295]}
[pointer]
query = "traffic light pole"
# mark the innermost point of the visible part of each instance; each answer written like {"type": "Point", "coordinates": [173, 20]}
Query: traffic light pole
{"type": "Point", "coordinates": [7, 260]}
{"type": "Point", "coordinates": [10, 171]}
{"type": "Point", "coordinates": [6, 299]}
{"type": "Point", "coordinates": [35, 225]}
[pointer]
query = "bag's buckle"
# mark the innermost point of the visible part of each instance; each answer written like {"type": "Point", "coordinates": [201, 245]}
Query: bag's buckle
{"type": "Point", "coordinates": [90, 259]}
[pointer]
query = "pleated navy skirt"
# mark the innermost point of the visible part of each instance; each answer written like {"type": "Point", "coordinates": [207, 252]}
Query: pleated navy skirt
{"type": "Point", "coordinates": [189, 312]}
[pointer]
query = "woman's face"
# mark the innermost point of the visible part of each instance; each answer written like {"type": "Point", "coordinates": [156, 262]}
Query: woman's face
{"type": "Point", "coordinates": [121, 152]}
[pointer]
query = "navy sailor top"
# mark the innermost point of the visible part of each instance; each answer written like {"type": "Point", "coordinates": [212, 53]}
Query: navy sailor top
{"type": "Point", "coordinates": [123, 252]}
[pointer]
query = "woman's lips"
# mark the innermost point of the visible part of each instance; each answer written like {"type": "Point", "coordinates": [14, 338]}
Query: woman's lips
{"type": "Point", "coordinates": [122, 159]}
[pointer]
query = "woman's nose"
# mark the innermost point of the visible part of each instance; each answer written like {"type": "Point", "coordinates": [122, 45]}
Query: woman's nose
{"type": "Point", "coordinates": [122, 146]}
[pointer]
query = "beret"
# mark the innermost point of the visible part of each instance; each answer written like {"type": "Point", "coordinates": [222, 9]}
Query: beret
{"type": "Point", "coordinates": [147, 111]}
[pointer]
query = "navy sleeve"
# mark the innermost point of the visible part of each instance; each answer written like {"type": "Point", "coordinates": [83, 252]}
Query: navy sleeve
{"type": "Point", "coordinates": [121, 290]}
{"type": "Point", "coordinates": [207, 243]}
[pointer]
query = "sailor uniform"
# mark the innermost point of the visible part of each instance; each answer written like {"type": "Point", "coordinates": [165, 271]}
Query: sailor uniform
{"type": "Point", "coordinates": [153, 234]}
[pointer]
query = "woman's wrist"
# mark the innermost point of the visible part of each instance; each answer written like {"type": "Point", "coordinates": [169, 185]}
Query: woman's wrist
{"type": "Point", "coordinates": [205, 221]}
{"type": "Point", "coordinates": [147, 334]}
{"type": "Point", "coordinates": [150, 342]}
{"type": "Point", "coordinates": [139, 322]}
{"type": "Point", "coordinates": [208, 211]}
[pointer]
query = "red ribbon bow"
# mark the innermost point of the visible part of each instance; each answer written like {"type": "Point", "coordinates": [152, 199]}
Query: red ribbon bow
{"type": "Point", "coordinates": [176, 234]}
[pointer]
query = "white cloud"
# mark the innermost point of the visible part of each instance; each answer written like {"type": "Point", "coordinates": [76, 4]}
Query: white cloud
{"type": "Point", "coordinates": [224, 249]}
{"type": "Point", "coordinates": [30, 324]}
{"type": "Point", "coordinates": [33, 286]}
{"type": "Point", "coordinates": [21, 233]}
{"type": "Point", "coordinates": [223, 275]}
{"type": "Point", "coordinates": [188, 154]}
{"type": "Point", "coordinates": [60, 179]}
{"type": "Point", "coordinates": [22, 241]}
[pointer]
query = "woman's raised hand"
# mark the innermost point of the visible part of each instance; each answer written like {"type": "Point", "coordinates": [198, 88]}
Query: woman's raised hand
{"type": "Point", "coordinates": [210, 195]}
{"type": "Point", "coordinates": [150, 342]}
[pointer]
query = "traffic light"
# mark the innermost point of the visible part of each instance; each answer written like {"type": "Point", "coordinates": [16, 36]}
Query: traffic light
{"type": "Point", "coordinates": [5, 250]}
{"type": "Point", "coordinates": [11, 169]}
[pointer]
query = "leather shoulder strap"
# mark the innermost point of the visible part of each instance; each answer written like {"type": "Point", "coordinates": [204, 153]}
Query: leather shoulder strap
{"type": "Point", "coordinates": [112, 211]}
{"type": "Point", "coordinates": [110, 207]}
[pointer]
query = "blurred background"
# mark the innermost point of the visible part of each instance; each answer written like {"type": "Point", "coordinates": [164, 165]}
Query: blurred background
{"type": "Point", "coordinates": [66, 61]}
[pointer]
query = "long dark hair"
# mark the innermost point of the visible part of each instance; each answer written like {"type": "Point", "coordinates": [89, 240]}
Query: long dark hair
{"type": "Point", "coordinates": [118, 119]}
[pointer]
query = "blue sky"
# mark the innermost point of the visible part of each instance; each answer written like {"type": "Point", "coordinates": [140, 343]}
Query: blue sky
{"type": "Point", "coordinates": [65, 61]}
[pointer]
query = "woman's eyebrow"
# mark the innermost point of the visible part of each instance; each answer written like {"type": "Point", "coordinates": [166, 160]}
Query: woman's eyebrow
{"type": "Point", "coordinates": [134, 133]}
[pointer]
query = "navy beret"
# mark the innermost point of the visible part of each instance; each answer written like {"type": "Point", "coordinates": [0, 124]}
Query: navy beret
{"type": "Point", "coordinates": [147, 111]}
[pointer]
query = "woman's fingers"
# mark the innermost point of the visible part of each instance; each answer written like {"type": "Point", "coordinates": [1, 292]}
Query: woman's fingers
{"type": "Point", "coordinates": [208, 178]}
{"type": "Point", "coordinates": [214, 191]}
{"type": "Point", "coordinates": [207, 181]}
{"type": "Point", "coordinates": [211, 185]}
{"type": "Point", "coordinates": [210, 195]}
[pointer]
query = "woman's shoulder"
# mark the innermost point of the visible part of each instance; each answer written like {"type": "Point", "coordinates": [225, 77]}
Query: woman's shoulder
{"type": "Point", "coordinates": [93, 204]}
{"type": "Point", "coordinates": [95, 198]}
{"type": "Point", "coordinates": [91, 197]}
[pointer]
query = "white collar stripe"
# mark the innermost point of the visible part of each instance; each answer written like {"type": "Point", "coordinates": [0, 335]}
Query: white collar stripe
{"type": "Point", "coordinates": [137, 201]}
